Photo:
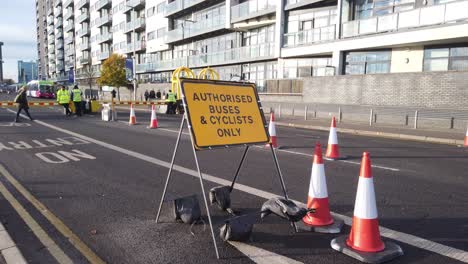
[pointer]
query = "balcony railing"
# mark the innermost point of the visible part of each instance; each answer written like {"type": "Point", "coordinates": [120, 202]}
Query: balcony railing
{"type": "Point", "coordinates": [179, 5]}
{"type": "Point", "coordinates": [310, 36]}
{"type": "Point", "coordinates": [59, 23]}
{"type": "Point", "coordinates": [84, 60]}
{"type": "Point", "coordinates": [58, 12]}
{"type": "Point", "coordinates": [50, 30]}
{"type": "Point", "coordinates": [50, 10]}
{"type": "Point", "coordinates": [69, 14]}
{"type": "Point", "coordinates": [136, 4]}
{"type": "Point", "coordinates": [426, 16]}
{"type": "Point", "coordinates": [51, 41]}
{"type": "Point", "coordinates": [83, 17]}
{"type": "Point", "coordinates": [84, 46]}
{"type": "Point", "coordinates": [60, 55]}
{"type": "Point", "coordinates": [69, 40]}
{"type": "Point", "coordinates": [82, 3]}
{"type": "Point", "coordinates": [57, 2]}
{"type": "Point", "coordinates": [82, 32]}
{"type": "Point", "coordinates": [69, 64]}
{"type": "Point", "coordinates": [103, 55]}
{"type": "Point", "coordinates": [59, 45]}
{"type": "Point", "coordinates": [140, 45]}
{"type": "Point", "coordinates": [197, 28]}
{"type": "Point", "coordinates": [102, 4]}
{"type": "Point", "coordinates": [50, 20]}
{"type": "Point", "coordinates": [252, 8]}
{"type": "Point", "coordinates": [161, 65]}
{"type": "Point", "coordinates": [104, 37]}
{"type": "Point", "coordinates": [69, 27]}
{"type": "Point", "coordinates": [67, 3]}
{"type": "Point", "coordinates": [61, 77]}
{"type": "Point", "coordinates": [100, 21]}
{"type": "Point", "coordinates": [138, 24]}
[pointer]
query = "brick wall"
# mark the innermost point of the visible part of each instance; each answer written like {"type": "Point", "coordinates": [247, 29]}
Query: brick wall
{"type": "Point", "coordinates": [422, 89]}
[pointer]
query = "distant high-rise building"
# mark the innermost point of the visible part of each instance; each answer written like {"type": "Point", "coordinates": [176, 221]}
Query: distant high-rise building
{"type": "Point", "coordinates": [27, 71]}
{"type": "Point", "coordinates": [1, 62]}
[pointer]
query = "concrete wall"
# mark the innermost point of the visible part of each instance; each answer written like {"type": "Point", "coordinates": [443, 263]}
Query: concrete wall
{"type": "Point", "coordinates": [407, 59]}
{"type": "Point", "coordinates": [423, 89]}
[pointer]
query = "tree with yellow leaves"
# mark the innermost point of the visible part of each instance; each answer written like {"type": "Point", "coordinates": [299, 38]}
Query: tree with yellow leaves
{"type": "Point", "coordinates": [113, 73]}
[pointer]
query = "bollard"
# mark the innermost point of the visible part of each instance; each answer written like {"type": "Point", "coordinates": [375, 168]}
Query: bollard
{"type": "Point", "coordinates": [406, 120]}
{"type": "Point", "coordinates": [305, 112]}
{"type": "Point", "coordinates": [416, 119]}
{"type": "Point", "coordinates": [279, 111]}
{"type": "Point", "coordinates": [452, 122]}
{"type": "Point", "coordinates": [292, 112]}
{"type": "Point", "coordinates": [315, 113]}
{"type": "Point", "coordinates": [375, 118]}
{"type": "Point", "coordinates": [370, 117]}
{"type": "Point", "coordinates": [340, 115]}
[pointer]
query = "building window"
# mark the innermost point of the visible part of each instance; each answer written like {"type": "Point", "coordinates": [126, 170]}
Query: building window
{"type": "Point", "coordinates": [298, 68]}
{"type": "Point", "coordinates": [160, 8]}
{"type": "Point", "coordinates": [368, 8]}
{"type": "Point", "coordinates": [443, 59]}
{"type": "Point", "coordinates": [150, 12]}
{"type": "Point", "coordinates": [369, 62]}
{"type": "Point", "coordinates": [160, 32]}
{"type": "Point", "coordinates": [151, 35]}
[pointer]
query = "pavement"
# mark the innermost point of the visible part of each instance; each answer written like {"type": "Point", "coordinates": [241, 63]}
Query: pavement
{"type": "Point", "coordinates": [87, 191]}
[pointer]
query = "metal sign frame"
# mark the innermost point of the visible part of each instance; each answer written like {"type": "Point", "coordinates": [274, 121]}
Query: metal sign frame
{"type": "Point", "coordinates": [200, 175]}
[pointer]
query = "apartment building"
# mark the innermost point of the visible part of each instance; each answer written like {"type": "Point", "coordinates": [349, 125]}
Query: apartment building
{"type": "Point", "coordinates": [256, 40]}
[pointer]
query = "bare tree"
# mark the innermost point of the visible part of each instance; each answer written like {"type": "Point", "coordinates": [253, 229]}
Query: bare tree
{"type": "Point", "coordinates": [89, 75]}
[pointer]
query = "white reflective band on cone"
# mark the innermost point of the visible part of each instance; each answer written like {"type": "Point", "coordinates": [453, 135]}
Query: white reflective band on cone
{"type": "Point", "coordinates": [365, 207]}
{"type": "Point", "coordinates": [272, 129]}
{"type": "Point", "coordinates": [318, 184]}
{"type": "Point", "coordinates": [153, 114]}
{"type": "Point", "coordinates": [333, 139]}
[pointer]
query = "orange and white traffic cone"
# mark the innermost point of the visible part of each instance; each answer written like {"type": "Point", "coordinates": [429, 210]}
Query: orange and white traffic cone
{"type": "Point", "coordinates": [364, 242]}
{"type": "Point", "coordinates": [466, 138]}
{"type": "Point", "coordinates": [154, 119]}
{"type": "Point", "coordinates": [132, 120]}
{"type": "Point", "coordinates": [272, 131]}
{"type": "Point", "coordinates": [333, 151]}
{"type": "Point", "coordinates": [320, 220]}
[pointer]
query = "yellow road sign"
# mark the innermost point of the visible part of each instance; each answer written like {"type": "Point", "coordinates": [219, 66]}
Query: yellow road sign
{"type": "Point", "coordinates": [223, 113]}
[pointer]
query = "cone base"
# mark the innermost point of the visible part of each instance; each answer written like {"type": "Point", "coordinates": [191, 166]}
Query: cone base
{"type": "Point", "coordinates": [335, 158]}
{"type": "Point", "coordinates": [334, 228]}
{"type": "Point", "coordinates": [390, 252]}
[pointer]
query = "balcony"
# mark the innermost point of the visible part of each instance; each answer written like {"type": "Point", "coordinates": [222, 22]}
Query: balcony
{"type": "Point", "coordinates": [83, 32]}
{"type": "Point", "coordinates": [105, 37]}
{"type": "Point", "coordinates": [179, 5]}
{"type": "Point", "coordinates": [136, 4]}
{"type": "Point", "coordinates": [311, 36]}
{"type": "Point", "coordinates": [50, 20]}
{"type": "Point", "coordinates": [103, 55]}
{"type": "Point", "coordinates": [52, 57]}
{"type": "Point", "coordinates": [420, 17]}
{"type": "Point", "coordinates": [50, 10]}
{"type": "Point", "coordinates": [83, 17]}
{"type": "Point", "coordinates": [138, 24]}
{"type": "Point", "coordinates": [67, 3]}
{"type": "Point", "coordinates": [59, 45]}
{"type": "Point", "coordinates": [50, 30]}
{"type": "Point", "coordinates": [84, 46]}
{"type": "Point", "coordinates": [69, 40]}
{"type": "Point", "coordinates": [161, 65]}
{"type": "Point", "coordinates": [60, 66]}
{"type": "Point", "coordinates": [69, 27]}
{"type": "Point", "coordinates": [58, 12]}
{"type": "Point", "coordinates": [69, 14]}
{"type": "Point", "coordinates": [51, 41]}
{"type": "Point", "coordinates": [82, 4]}
{"type": "Point", "coordinates": [252, 9]}
{"type": "Point", "coordinates": [59, 34]}
{"type": "Point", "coordinates": [84, 60]}
{"type": "Point", "coordinates": [69, 64]}
{"type": "Point", "coordinates": [103, 4]}
{"type": "Point", "coordinates": [60, 55]}
{"type": "Point", "coordinates": [59, 23]}
{"type": "Point", "coordinates": [140, 45]}
{"type": "Point", "coordinates": [57, 3]}
{"type": "Point", "coordinates": [102, 21]}
{"type": "Point", "coordinates": [62, 77]}
{"type": "Point", "coordinates": [240, 54]}
{"type": "Point", "coordinates": [195, 29]}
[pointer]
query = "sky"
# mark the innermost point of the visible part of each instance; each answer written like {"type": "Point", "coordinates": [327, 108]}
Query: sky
{"type": "Point", "coordinates": [18, 34]}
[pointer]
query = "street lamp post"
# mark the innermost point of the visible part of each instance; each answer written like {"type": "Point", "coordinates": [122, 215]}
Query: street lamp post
{"type": "Point", "coordinates": [134, 50]}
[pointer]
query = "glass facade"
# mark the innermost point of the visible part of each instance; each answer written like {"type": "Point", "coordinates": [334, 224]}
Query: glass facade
{"type": "Point", "coordinates": [368, 62]}
{"type": "Point", "coordinates": [446, 59]}
{"type": "Point", "coordinates": [370, 8]}
{"type": "Point", "coordinates": [297, 68]}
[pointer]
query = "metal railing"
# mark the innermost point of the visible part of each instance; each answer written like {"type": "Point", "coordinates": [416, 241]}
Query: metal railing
{"type": "Point", "coordinates": [162, 65]}
{"type": "Point", "coordinates": [69, 40]}
{"type": "Point", "coordinates": [250, 8]}
{"type": "Point", "coordinates": [133, 3]}
{"type": "Point", "coordinates": [136, 24]}
{"type": "Point", "coordinates": [103, 20]}
{"type": "Point", "coordinates": [84, 60]}
{"type": "Point", "coordinates": [103, 55]}
{"type": "Point", "coordinates": [50, 30]}
{"type": "Point", "coordinates": [81, 4]}
{"type": "Point", "coordinates": [103, 3]}
{"type": "Point", "coordinates": [69, 27]}
{"type": "Point", "coordinates": [84, 46]}
{"type": "Point", "coordinates": [425, 16]}
{"type": "Point", "coordinates": [59, 23]}
{"type": "Point", "coordinates": [69, 14]}
{"type": "Point", "coordinates": [139, 45]}
{"type": "Point", "coordinates": [58, 11]}
{"type": "Point", "coordinates": [197, 28]}
{"type": "Point", "coordinates": [59, 34]}
{"type": "Point", "coordinates": [67, 3]}
{"type": "Point", "coordinates": [310, 36]}
{"type": "Point", "coordinates": [82, 31]}
{"type": "Point", "coordinates": [261, 51]}
{"type": "Point", "coordinates": [84, 16]}
{"type": "Point", "coordinates": [104, 37]}
{"type": "Point", "coordinates": [179, 5]}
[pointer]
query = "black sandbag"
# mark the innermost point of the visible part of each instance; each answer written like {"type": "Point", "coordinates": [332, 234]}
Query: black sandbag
{"type": "Point", "coordinates": [283, 208]}
{"type": "Point", "coordinates": [221, 196]}
{"type": "Point", "coordinates": [238, 228]}
{"type": "Point", "coordinates": [187, 209]}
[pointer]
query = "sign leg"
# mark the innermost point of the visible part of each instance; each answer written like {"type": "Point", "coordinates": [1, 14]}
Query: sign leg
{"type": "Point", "coordinates": [170, 168]}
{"type": "Point", "coordinates": [239, 168]}
{"type": "Point", "coordinates": [280, 175]}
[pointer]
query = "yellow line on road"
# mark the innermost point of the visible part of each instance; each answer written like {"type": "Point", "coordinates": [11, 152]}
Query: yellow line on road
{"type": "Point", "coordinates": [55, 221]}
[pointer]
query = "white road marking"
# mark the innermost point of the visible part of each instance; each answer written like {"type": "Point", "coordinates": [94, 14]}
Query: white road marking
{"type": "Point", "coordinates": [261, 256]}
{"type": "Point", "coordinates": [414, 241]}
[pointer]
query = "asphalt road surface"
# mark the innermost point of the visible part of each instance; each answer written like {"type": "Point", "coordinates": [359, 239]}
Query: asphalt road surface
{"type": "Point", "coordinates": [89, 192]}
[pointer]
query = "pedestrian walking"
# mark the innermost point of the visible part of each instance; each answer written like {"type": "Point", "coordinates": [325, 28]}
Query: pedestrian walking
{"type": "Point", "coordinates": [76, 98]}
{"type": "Point", "coordinates": [158, 95]}
{"type": "Point", "coordinates": [146, 95]}
{"type": "Point", "coordinates": [152, 95]}
{"type": "Point", "coordinates": [22, 101]}
{"type": "Point", "coordinates": [63, 98]}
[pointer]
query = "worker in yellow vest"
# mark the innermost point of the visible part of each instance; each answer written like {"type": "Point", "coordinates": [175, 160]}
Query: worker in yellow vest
{"type": "Point", "coordinates": [76, 98]}
{"type": "Point", "coordinates": [63, 98]}
{"type": "Point", "coordinates": [171, 102]}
